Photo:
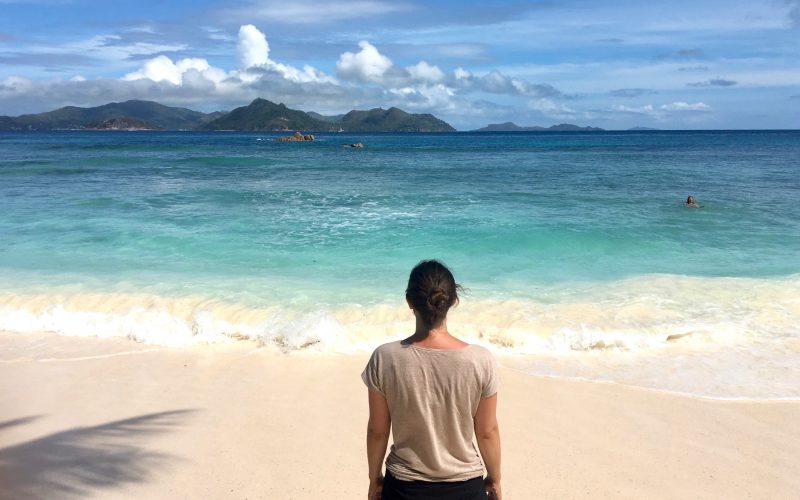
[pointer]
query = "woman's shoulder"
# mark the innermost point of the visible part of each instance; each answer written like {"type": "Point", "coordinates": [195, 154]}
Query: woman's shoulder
{"type": "Point", "coordinates": [480, 351]}
{"type": "Point", "coordinates": [388, 348]}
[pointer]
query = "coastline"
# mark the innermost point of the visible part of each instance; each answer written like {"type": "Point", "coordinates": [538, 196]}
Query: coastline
{"type": "Point", "coordinates": [109, 418]}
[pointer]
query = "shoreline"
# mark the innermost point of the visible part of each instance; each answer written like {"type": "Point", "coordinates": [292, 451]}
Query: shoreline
{"type": "Point", "coordinates": [116, 419]}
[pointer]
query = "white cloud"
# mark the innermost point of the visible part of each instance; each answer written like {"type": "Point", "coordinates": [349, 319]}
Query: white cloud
{"type": "Point", "coordinates": [368, 65]}
{"type": "Point", "coordinates": [427, 97]}
{"type": "Point", "coordinates": [549, 108]}
{"type": "Point", "coordinates": [253, 49]}
{"type": "Point", "coordinates": [194, 82]}
{"type": "Point", "coordinates": [461, 74]}
{"type": "Point", "coordinates": [253, 52]}
{"type": "Point", "coordinates": [425, 72]}
{"type": "Point", "coordinates": [496, 82]}
{"type": "Point", "coordinates": [685, 106]}
{"type": "Point", "coordinates": [15, 84]}
{"type": "Point", "coordinates": [646, 109]}
{"type": "Point", "coordinates": [162, 68]}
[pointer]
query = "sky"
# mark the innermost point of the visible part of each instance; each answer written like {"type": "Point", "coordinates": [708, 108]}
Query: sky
{"type": "Point", "coordinates": [613, 64]}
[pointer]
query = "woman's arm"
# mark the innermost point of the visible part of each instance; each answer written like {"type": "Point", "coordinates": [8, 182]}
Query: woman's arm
{"type": "Point", "coordinates": [487, 434]}
{"type": "Point", "coordinates": [380, 423]}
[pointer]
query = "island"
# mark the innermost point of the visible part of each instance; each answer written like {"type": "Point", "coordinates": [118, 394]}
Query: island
{"type": "Point", "coordinates": [513, 127]}
{"type": "Point", "coordinates": [260, 115]}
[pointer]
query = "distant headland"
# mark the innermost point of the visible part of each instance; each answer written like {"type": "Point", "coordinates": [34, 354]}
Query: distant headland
{"type": "Point", "coordinates": [513, 127]}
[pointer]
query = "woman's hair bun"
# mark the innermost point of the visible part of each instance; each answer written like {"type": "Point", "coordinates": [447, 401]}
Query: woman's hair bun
{"type": "Point", "coordinates": [431, 291]}
{"type": "Point", "coordinates": [438, 300]}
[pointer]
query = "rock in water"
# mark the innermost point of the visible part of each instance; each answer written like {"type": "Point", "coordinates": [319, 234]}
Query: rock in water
{"type": "Point", "coordinates": [297, 137]}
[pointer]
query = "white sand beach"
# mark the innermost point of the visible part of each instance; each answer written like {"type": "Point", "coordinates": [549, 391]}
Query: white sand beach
{"type": "Point", "coordinates": [110, 418]}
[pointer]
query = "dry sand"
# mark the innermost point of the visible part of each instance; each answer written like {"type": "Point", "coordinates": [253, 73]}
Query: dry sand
{"type": "Point", "coordinates": [109, 418]}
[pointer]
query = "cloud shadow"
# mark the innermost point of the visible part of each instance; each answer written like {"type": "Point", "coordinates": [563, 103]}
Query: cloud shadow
{"type": "Point", "coordinates": [77, 462]}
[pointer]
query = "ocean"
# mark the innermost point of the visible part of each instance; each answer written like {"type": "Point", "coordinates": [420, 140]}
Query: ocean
{"type": "Point", "coordinates": [577, 254]}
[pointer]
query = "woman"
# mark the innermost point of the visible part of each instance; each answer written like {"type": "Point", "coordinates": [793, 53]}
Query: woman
{"type": "Point", "coordinates": [690, 203]}
{"type": "Point", "coordinates": [435, 393]}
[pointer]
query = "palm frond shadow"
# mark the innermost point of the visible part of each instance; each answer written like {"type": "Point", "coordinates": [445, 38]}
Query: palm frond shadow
{"type": "Point", "coordinates": [76, 462]}
{"type": "Point", "coordinates": [19, 421]}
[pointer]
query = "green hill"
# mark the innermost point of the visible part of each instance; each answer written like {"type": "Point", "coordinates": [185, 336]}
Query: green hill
{"type": "Point", "coordinates": [265, 115]}
{"type": "Point", "coordinates": [122, 123]}
{"type": "Point", "coordinates": [392, 120]}
{"type": "Point", "coordinates": [262, 114]}
{"type": "Point", "coordinates": [73, 117]}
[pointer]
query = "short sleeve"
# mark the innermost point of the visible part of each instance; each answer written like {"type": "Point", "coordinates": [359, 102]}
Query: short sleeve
{"type": "Point", "coordinates": [491, 376]}
{"type": "Point", "coordinates": [372, 373]}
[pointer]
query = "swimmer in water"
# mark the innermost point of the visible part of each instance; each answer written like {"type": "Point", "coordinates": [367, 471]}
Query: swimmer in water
{"type": "Point", "coordinates": [690, 203]}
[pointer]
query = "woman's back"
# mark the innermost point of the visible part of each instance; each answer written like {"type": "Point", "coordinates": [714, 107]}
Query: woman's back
{"type": "Point", "coordinates": [437, 395]}
{"type": "Point", "coordinates": [432, 395]}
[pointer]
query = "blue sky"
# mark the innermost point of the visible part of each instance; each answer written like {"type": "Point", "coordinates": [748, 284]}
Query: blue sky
{"type": "Point", "coordinates": [612, 64]}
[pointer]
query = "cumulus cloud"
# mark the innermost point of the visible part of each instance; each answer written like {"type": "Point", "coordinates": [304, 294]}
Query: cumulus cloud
{"type": "Point", "coordinates": [685, 106]}
{"type": "Point", "coordinates": [461, 74]}
{"type": "Point", "coordinates": [551, 108]}
{"type": "Point", "coordinates": [422, 86]}
{"type": "Point", "coordinates": [162, 68]}
{"type": "Point", "coordinates": [367, 65]}
{"type": "Point", "coordinates": [253, 54]}
{"type": "Point", "coordinates": [252, 48]}
{"type": "Point", "coordinates": [640, 110]}
{"type": "Point", "coordinates": [425, 72]}
{"type": "Point", "coordinates": [195, 82]}
{"type": "Point", "coordinates": [496, 82]}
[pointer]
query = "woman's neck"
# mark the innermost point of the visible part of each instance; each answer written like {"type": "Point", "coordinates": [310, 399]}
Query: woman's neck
{"type": "Point", "coordinates": [436, 337]}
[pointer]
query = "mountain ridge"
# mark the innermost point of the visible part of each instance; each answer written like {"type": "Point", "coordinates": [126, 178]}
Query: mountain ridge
{"type": "Point", "coordinates": [260, 115]}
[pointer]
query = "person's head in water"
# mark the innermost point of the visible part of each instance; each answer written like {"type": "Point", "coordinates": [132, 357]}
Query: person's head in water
{"type": "Point", "coordinates": [690, 200]}
{"type": "Point", "coordinates": [431, 292]}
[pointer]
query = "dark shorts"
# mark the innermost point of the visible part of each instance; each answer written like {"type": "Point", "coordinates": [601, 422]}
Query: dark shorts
{"type": "Point", "coordinates": [395, 489]}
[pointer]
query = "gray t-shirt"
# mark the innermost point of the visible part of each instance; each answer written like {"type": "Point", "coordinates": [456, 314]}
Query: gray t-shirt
{"type": "Point", "coordinates": [433, 395]}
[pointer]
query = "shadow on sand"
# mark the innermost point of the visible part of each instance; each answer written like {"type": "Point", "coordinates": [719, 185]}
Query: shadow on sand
{"type": "Point", "coordinates": [18, 421]}
{"type": "Point", "coordinates": [77, 462]}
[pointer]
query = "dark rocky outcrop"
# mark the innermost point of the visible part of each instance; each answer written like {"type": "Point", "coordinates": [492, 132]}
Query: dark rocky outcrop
{"type": "Point", "coordinates": [296, 137]}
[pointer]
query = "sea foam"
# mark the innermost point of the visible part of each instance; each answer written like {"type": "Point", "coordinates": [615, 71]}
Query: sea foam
{"type": "Point", "coordinates": [721, 337]}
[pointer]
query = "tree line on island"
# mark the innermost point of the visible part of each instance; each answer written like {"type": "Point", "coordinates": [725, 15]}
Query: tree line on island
{"type": "Point", "coordinates": [260, 115]}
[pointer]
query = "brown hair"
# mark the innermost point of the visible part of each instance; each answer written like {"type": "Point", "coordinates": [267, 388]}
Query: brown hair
{"type": "Point", "coordinates": [432, 291]}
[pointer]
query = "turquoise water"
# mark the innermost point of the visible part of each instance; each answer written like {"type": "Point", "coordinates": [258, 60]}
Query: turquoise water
{"type": "Point", "coordinates": [316, 237]}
